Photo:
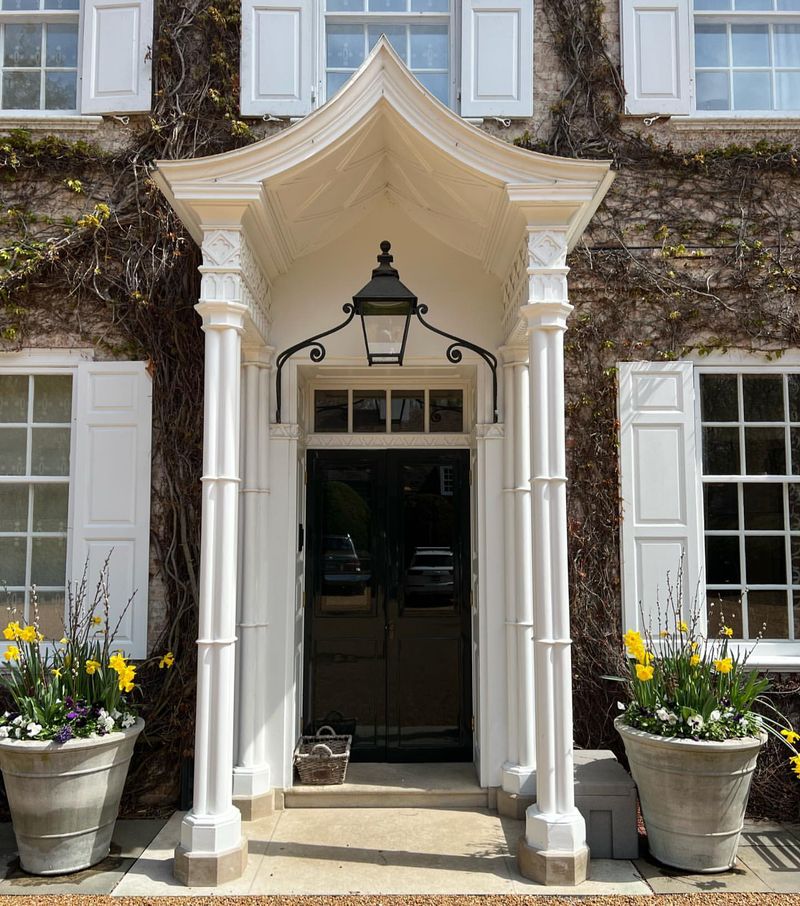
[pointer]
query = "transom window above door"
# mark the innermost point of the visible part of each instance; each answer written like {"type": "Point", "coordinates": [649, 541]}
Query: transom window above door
{"type": "Point", "coordinates": [419, 30]}
{"type": "Point", "coordinates": [396, 411]}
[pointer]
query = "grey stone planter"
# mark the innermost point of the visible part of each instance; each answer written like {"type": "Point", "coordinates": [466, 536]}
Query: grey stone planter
{"type": "Point", "coordinates": [64, 798]}
{"type": "Point", "coordinates": [693, 795]}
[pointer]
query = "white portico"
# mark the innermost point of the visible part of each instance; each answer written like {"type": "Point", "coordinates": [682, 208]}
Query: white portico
{"type": "Point", "coordinates": [289, 228]}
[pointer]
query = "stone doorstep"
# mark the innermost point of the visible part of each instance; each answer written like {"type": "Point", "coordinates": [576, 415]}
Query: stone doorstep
{"type": "Point", "coordinates": [605, 795]}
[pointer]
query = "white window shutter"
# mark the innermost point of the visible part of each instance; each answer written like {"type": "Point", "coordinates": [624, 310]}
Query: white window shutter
{"type": "Point", "coordinates": [656, 62]}
{"type": "Point", "coordinates": [497, 58]}
{"type": "Point", "coordinates": [111, 490]}
{"type": "Point", "coordinates": [277, 52]}
{"type": "Point", "coordinates": [660, 503]}
{"type": "Point", "coordinates": [116, 70]}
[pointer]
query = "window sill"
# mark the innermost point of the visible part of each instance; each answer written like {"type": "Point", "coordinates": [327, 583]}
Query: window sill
{"type": "Point", "coordinates": [725, 122]}
{"type": "Point", "coordinates": [45, 122]}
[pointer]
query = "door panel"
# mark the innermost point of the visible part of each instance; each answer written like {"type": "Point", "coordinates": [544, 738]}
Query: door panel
{"type": "Point", "coordinates": [387, 621]}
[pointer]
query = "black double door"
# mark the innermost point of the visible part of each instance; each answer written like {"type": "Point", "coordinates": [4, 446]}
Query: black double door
{"type": "Point", "coordinates": [388, 603]}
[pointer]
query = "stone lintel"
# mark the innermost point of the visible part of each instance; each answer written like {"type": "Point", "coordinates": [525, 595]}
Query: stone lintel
{"type": "Point", "coordinates": [210, 869]}
{"type": "Point", "coordinates": [552, 868]}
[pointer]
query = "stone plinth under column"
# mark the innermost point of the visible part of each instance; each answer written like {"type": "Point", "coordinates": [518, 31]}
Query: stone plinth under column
{"type": "Point", "coordinates": [553, 868]}
{"type": "Point", "coordinates": [255, 807]}
{"type": "Point", "coordinates": [513, 805]}
{"type": "Point", "coordinates": [210, 869]}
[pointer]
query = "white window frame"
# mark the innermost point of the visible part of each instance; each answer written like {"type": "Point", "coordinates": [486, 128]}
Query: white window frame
{"type": "Point", "coordinates": [453, 17]}
{"type": "Point", "coordinates": [772, 654]}
{"type": "Point", "coordinates": [43, 17]}
{"type": "Point", "coordinates": [750, 17]}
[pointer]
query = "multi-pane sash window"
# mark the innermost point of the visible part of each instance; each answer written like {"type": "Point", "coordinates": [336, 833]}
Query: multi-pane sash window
{"type": "Point", "coordinates": [35, 429]}
{"type": "Point", "coordinates": [419, 30]}
{"type": "Point", "coordinates": [39, 53]}
{"type": "Point", "coordinates": [751, 501]}
{"type": "Point", "coordinates": [747, 55]}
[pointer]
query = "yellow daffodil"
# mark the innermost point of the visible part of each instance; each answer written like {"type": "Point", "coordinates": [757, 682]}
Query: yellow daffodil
{"type": "Point", "coordinates": [126, 678]}
{"type": "Point", "coordinates": [726, 631]}
{"type": "Point", "coordinates": [56, 671]}
{"type": "Point", "coordinates": [117, 662]}
{"type": "Point", "coordinates": [795, 760]}
{"type": "Point", "coordinates": [64, 641]}
{"type": "Point", "coordinates": [664, 634]}
{"type": "Point", "coordinates": [645, 658]}
{"type": "Point", "coordinates": [92, 667]}
{"type": "Point", "coordinates": [28, 634]}
{"type": "Point", "coordinates": [167, 661]}
{"type": "Point", "coordinates": [694, 660]}
{"type": "Point", "coordinates": [39, 637]}
{"type": "Point", "coordinates": [695, 646]}
{"type": "Point", "coordinates": [791, 736]}
{"type": "Point", "coordinates": [67, 660]}
{"type": "Point", "coordinates": [632, 638]}
{"type": "Point", "coordinates": [643, 673]}
{"type": "Point", "coordinates": [12, 631]}
{"type": "Point", "coordinates": [96, 621]}
{"type": "Point", "coordinates": [12, 653]}
{"type": "Point", "coordinates": [682, 627]}
{"type": "Point", "coordinates": [723, 665]}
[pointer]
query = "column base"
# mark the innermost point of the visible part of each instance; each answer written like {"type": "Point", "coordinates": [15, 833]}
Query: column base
{"type": "Point", "coordinates": [513, 805]}
{"type": "Point", "coordinates": [255, 807]}
{"type": "Point", "coordinates": [552, 868]}
{"type": "Point", "coordinates": [210, 869]}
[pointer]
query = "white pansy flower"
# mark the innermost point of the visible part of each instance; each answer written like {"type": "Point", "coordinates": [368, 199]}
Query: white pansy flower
{"type": "Point", "coordinates": [34, 729]}
{"type": "Point", "coordinates": [695, 722]}
{"type": "Point", "coordinates": [621, 706]}
{"type": "Point", "coordinates": [128, 720]}
{"type": "Point", "coordinates": [106, 723]}
{"type": "Point", "coordinates": [715, 715]}
{"type": "Point", "coordinates": [4, 731]}
{"type": "Point", "coordinates": [662, 714]}
{"type": "Point", "coordinates": [672, 718]}
{"type": "Point", "coordinates": [17, 720]}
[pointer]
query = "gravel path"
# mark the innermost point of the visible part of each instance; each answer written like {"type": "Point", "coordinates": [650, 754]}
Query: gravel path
{"type": "Point", "coordinates": [699, 899]}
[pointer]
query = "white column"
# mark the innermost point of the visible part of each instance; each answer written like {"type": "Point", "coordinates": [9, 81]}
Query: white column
{"type": "Point", "coordinates": [554, 850]}
{"type": "Point", "coordinates": [519, 770]}
{"type": "Point", "coordinates": [251, 776]}
{"type": "Point", "coordinates": [212, 830]}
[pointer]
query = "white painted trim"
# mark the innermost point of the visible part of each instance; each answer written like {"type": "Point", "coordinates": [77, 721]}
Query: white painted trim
{"type": "Point", "coordinates": [388, 441]}
{"type": "Point", "coordinates": [45, 358]}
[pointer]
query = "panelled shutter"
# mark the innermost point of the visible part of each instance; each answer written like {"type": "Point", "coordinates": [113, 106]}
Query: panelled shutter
{"type": "Point", "coordinates": [116, 70]}
{"type": "Point", "coordinates": [277, 49]}
{"type": "Point", "coordinates": [656, 58]}
{"type": "Point", "coordinates": [497, 58]}
{"type": "Point", "coordinates": [661, 527]}
{"type": "Point", "coordinates": [111, 490]}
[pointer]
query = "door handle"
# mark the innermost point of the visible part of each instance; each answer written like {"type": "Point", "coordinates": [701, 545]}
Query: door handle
{"type": "Point", "coordinates": [390, 630]}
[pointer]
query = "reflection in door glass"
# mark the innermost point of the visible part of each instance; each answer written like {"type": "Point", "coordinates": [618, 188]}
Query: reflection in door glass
{"type": "Point", "coordinates": [369, 410]}
{"type": "Point", "coordinates": [429, 533]}
{"type": "Point", "coordinates": [346, 548]}
{"type": "Point", "coordinates": [447, 410]}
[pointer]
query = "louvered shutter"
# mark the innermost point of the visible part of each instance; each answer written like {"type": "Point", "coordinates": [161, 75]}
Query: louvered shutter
{"type": "Point", "coordinates": [111, 489]}
{"type": "Point", "coordinates": [660, 502]}
{"type": "Point", "coordinates": [497, 58]}
{"type": "Point", "coordinates": [116, 67]}
{"type": "Point", "coordinates": [277, 50]}
{"type": "Point", "coordinates": [655, 56]}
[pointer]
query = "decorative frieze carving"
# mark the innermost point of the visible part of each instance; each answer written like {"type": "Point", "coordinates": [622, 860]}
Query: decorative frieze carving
{"type": "Point", "coordinates": [285, 431]}
{"type": "Point", "coordinates": [515, 294]}
{"type": "Point", "coordinates": [547, 270]}
{"type": "Point", "coordinates": [489, 431]}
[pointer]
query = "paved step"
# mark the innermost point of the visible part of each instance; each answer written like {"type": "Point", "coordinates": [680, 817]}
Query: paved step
{"type": "Point", "coordinates": [446, 786]}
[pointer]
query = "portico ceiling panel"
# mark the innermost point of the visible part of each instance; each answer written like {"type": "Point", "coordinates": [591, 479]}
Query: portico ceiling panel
{"type": "Point", "coordinates": [382, 137]}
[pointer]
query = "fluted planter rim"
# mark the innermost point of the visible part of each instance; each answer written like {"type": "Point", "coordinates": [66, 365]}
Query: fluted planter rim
{"type": "Point", "coordinates": [722, 745]}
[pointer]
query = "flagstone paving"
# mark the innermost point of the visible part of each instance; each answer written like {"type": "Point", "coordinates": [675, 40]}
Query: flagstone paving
{"type": "Point", "coordinates": [351, 852]}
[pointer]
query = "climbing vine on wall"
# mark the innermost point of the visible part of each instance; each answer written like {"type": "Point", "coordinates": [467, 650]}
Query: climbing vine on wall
{"type": "Point", "coordinates": [693, 248]}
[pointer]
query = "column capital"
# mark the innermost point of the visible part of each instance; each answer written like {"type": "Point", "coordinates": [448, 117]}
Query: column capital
{"type": "Point", "coordinates": [220, 315]}
{"type": "Point", "coordinates": [546, 315]}
{"type": "Point", "coordinates": [257, 354]}
{"type": "Point", "coordinates": [514, 354]}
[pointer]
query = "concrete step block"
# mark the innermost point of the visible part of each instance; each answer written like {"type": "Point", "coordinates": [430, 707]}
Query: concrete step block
{"type": "Point", "coordinates": [605, 795]}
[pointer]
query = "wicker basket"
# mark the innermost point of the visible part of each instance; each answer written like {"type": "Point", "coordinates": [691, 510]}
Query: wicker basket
{"type": "Point", "coordinates": [322, 759]}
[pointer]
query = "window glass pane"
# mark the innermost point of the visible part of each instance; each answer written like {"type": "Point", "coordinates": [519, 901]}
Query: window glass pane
{"type": "Point", "coordinates": [335, 81]}
{"type": "Point", "coordinates": [795, 550]}
{"type": "Point", "coordinates": [50, 451]}
{"type": "Point", "coordinates": [20, 5]}
{"type": "Point", "coordinates": [12, 561]}
{"type": "Point", "coordinates": [13, 398]}
{"type": "Point", "coordinates": [712, 4]}
{"type": "Point", "coordinates": [408, 410]}
{"type": "Point", "coordinates": [48, 561]}
{"type": "Point", "coordinates": [430, 47]}
{"type": "Point", "coordinates": [711, 45]}
{"type": "Point", "coordinates": [767, 614]}
{"type": "Point", "coordinates": [721, 451]}
{"type": "Point", "coordinates": [742, 5]}
{"type": "Point", "coordinates": [763, 506]}
{"type": "Point", "coordinates": [61, 45]}
{"type": "Point", "coordinates": [765, 560]}
{"type": "Point", "coordinates": [438, 83]}
{"type": "Point", "coordinates": [794, 397]}
{"type": "Point", "coordinates": [713, 91]}
{"type": "Point", "coordinates": [345, 6]}
{"type": "Point", "coordinates": [794, 443]}
{"type": "Point", "coordinates": [796, 606]}
{"type": "Point", "coordinates": [719, 400]}
{"type": "Point", "coordinates": [388, 6]}
{"type": "Point", "coordinates": [786, 40]}
{"type": "Point", "coordinates": [750, 45]}
{"type": "Point", "coordinates": [330, 411]}
{"type": "Point", "coordinates": [22, 45]}
{"type": "Point", "coordinates": [60, 90]}
{"type": "Point", "coordinates": [395, 33]}
{"type": "Point", "coordinates": [369, 411]}
{"type": "Point", "coordinates": [765, 451]}
{"type": "Point", "coordinates": [12, 451]}
{"type": "Point", "coordinates": [788, 6]}
{"type": "Point", "coordinates": [52, 398]}
{"type": "Point", "coordinates": [787, 87]}
{"type": "Point", "coordinates": [722, 560]}
{"type": "Point", "coordinates": [62, 4]}
{"type": "Point", "coordinates": [721, 506]}
{"type": "Point", "coordinates": [447, 411]}
{"type": "Point", "coordinates": [724, 610]}
{"type": "Point", "coordinates": [794, 508]}
{"type": "Point", "coordinates": [50, 507]}
{"type": "Point", "coordinates": [13, 508]}
{"type": "Point", "coordinates": [50, 605]}
{"type": "Point", "coordinates": [21, 90]}
{"type": "Point", "coordinates": [345, 46]}
{"type": "Point", "coordinates": [430, 6]}
{"type": "Point", "coordinates": [763, 398]}
{"type": "Point", "coordinates": [752, 91]}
